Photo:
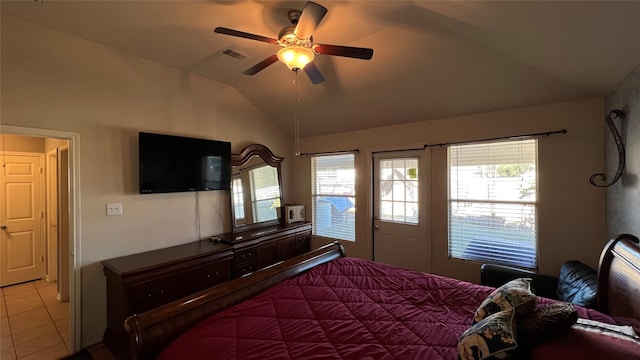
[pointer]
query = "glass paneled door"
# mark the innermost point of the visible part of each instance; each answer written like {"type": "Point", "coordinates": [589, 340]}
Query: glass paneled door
{"type": "Point", "coordinates": [400, 235]}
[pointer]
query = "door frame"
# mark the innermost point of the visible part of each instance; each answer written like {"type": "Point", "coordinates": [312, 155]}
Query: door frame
{"type": "Point", "coordinates": [51, 184]}
{"type": "Point", "coordinates": [75, 308]}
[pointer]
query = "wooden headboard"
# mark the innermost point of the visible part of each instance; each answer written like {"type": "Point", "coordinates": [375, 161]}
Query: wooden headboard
{"type": "Point", "coordinates": [619, 277]}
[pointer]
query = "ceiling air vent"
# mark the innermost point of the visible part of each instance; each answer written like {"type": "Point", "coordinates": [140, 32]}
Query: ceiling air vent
{"type": "Point", "coordinates": [234, 54]}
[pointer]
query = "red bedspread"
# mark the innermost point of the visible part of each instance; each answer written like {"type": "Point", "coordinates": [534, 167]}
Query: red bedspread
{"type": "Point", "coordinates": [346, 309]}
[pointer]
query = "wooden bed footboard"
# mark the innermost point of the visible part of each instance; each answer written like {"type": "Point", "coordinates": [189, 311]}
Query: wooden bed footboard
{"type": "Point", "coordinates": [619, 277]}
{"type": "Point", "coordinates": [152, 331]}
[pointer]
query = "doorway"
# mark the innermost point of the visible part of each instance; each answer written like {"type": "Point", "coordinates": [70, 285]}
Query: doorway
{"type": "Point", "coordinates": [400, 232]}
{"type": "Point", "coordinates": [59, 223]}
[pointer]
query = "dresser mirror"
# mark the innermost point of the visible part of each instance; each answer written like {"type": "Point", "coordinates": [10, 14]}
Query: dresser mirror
{"type": "Point", "coordinates": [256, 188]}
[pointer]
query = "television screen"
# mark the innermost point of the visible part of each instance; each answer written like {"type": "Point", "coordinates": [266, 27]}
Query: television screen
{"type": "Point", "coordinates": [175, 164]}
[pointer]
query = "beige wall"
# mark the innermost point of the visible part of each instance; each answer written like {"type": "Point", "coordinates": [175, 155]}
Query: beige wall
{"type": "Point", "coordinates": [55, 81]}
{"type": "Point", "coordinates": [623, 197]}
{"type": "Point", "coordinates": [11, 142]}
{"type": "Point", "coordinates": [571, 211]}
{"type": "Point", "coordinates": [50, 144]}
{"type": "Point", "coordinates": [19, 143]}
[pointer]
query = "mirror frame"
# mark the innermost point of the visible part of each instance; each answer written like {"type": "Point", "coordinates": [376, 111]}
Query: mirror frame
{"type": "Point", "coordinates": [270, 159]}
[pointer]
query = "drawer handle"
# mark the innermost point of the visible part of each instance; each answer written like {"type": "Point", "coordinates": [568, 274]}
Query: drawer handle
{"type": "Point", "coordinates": [215, 275]}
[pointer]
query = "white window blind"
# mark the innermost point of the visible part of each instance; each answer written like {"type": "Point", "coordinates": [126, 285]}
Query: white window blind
{"type": "Point", "coordinates": [238, 199]}
{"type": "Point", "coordinates": [493, 202]}
{"type": "Point", "coordinates": [333, 196]}
{"type": "Point", "coordinates": [265, 193]}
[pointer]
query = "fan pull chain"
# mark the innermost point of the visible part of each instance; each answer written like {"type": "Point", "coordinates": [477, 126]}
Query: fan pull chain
{"type": "Point", "coordinates": [296, 125]}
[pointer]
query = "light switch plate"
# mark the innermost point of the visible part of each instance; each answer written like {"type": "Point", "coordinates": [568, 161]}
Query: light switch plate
{"type": "Point", "coordinates": [114, 209]}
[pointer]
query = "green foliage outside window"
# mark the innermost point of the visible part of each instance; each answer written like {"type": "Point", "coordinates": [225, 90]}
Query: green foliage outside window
{"type": "Point", "coordinates": [514, 170]}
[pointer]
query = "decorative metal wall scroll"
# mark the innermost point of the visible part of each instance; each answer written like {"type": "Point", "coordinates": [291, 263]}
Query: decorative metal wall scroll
{"type": "Point", "coordinates": [614, 114]}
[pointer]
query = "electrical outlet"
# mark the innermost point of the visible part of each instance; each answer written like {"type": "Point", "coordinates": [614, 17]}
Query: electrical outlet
{"type": "Point", "coordinates": [114, 209]}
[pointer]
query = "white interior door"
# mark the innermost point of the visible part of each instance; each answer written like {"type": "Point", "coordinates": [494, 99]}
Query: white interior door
{"type": "Point", "coordinates": [400, 235]}
{"type": "Point", "coordinates": [21, 218]}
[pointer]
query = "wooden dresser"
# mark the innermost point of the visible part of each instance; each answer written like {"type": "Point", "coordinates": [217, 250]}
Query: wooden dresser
{"type": "Point", "coordinates": [253, 250]}
{"type": "Point", "coordinates": [140, 282]}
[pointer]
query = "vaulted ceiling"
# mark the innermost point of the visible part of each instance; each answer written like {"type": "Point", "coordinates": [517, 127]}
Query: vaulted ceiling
{"type": "Point", "coordinates": [432, 59]}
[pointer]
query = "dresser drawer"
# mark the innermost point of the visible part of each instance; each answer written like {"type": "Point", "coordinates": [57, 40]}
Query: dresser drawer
{"type": "Point", "coordinates": [206, 276]}
{"type": "Point", "coordinates": [246, 269]}
{"type": "Point", "coordinates": [151, 294]}
{"type": "Point", "coordinates": [302, 244]}
{"type": "Point", "coordinates": [245, 257]}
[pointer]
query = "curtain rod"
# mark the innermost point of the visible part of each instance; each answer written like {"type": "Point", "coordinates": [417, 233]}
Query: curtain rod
{"type": "Point", "coordinates": [512, 137]}
{"type": "Point", "coordinates": [399, 150]}
{"type": "Point", "coordinates": [340, 152]}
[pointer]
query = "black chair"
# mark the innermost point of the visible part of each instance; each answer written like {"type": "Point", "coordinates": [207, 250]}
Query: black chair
{"type": "Point", "coordinates": [577, 282]}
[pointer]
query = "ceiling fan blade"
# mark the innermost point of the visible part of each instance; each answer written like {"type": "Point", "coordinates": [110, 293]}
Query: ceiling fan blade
{"type": "Point", "coordinates": [261, 65]}
{"type": "Point", "coordinates": [242, 34]}
{"type": "Point", "coordinates": [311, 16]}
{"type": "Point", "coordinates": [313, 73]}
{"type": "Point", "coordinates": [346, 51]}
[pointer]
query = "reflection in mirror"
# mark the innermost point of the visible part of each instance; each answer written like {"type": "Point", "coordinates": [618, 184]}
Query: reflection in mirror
{"type": "Point", "coordinates": [262, 197]}
{"type": "Point", "coordinates": [256, 188]}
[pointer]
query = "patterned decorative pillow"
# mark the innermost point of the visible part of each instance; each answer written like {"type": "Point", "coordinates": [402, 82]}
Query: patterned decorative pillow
{"type": "Point", "coordinates": [545, 322]}
{"type": "Point", "coordinates": [492, 336]}
{"type": "Point", "coordinates": [515, 294]}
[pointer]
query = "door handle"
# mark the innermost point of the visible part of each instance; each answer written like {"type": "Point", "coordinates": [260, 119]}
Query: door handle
{"type": "Point", "coordinates": [376, 227]}
{"type": "Point", "coordinates": [3, 227]}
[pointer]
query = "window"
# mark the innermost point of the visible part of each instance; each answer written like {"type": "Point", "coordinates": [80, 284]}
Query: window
{"type": "Point", "coordinates": [493, 202]}
{"type": "Point", "coordinates": [399, 190]}
{"type": "Point", "coordinates": [333, 199]}
{"type": "Point", "coordinates": [265, 193]}
{"type": "Point", "coordinates": [238, 199]}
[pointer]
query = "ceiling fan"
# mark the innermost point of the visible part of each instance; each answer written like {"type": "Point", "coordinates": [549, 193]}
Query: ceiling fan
{"type": "Point", "coordinates": [298, 50]}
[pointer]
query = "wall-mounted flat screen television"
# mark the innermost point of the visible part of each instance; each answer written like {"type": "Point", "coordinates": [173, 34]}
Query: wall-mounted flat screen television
{"type": "Point", "coordinates": [175, 164]}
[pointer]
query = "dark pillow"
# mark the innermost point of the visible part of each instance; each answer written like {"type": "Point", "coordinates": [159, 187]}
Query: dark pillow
{"type": "Point", "coordinates": [578, 284]}
{"type": "Point", "coordinates": [516, 294]}
{"type": "Point", "coordinates": [544, 323]}
{"type": "Point", "coordinates": [493, 336]}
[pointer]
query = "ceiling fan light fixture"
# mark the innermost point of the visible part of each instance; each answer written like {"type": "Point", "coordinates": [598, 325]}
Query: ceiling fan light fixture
{"type": "Point", "coordinates": [297, 49]}
{"type": "Point", "coordinates": [296, 57]}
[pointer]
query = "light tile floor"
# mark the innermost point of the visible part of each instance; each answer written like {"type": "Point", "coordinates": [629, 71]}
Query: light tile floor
{"type": "Point", "coordinates": [33, 323]}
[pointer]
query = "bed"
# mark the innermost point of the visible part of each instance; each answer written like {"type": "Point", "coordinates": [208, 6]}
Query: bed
{"type": "Point", "coordinates": [324, 305]}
